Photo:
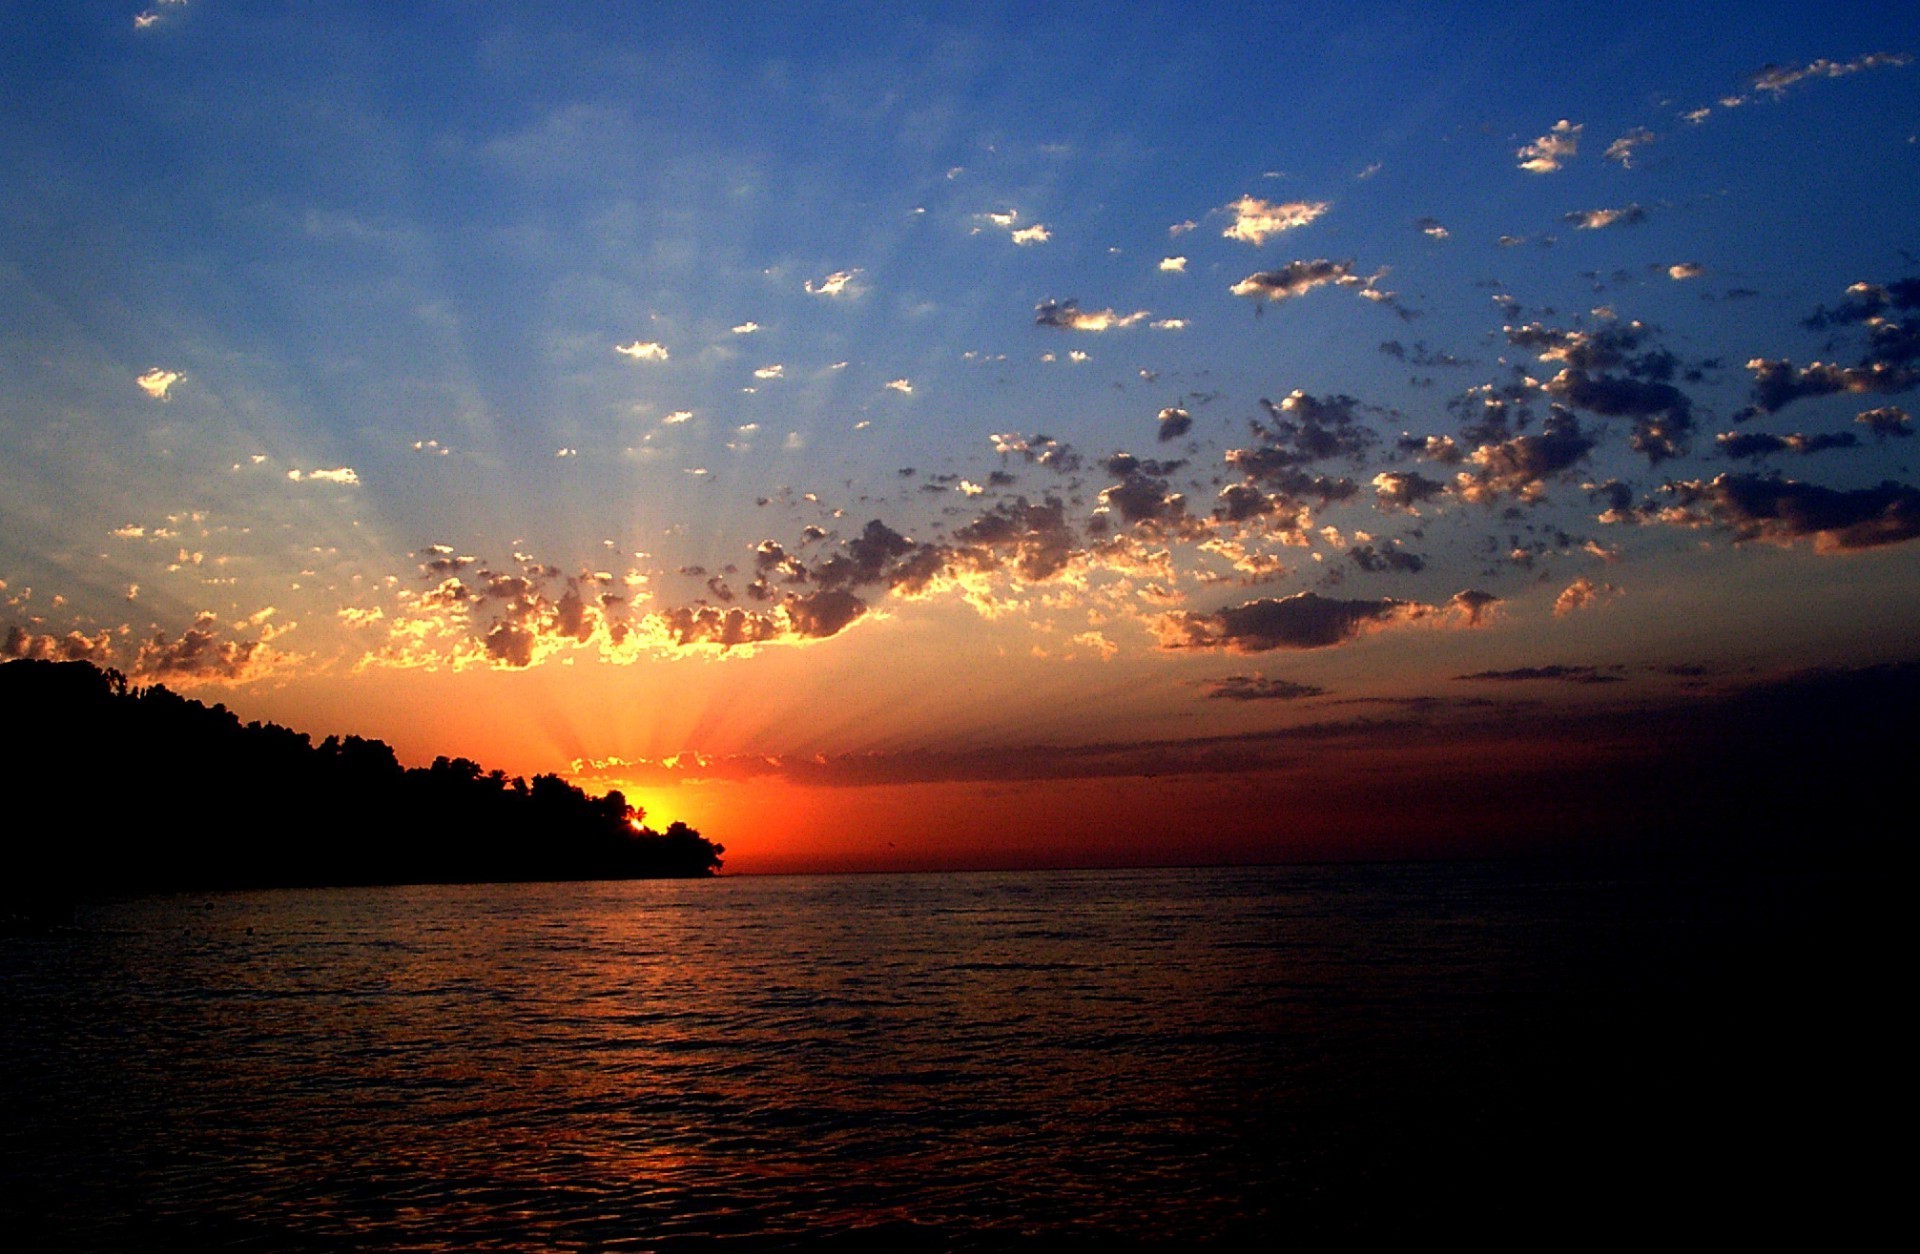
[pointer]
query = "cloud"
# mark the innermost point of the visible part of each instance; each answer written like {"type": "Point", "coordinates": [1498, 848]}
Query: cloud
{"type": "Point", "coordinates": [1172, 423]}
{"type": "Point", "coordinates": [1685, 270]}
{"type": "Point", "coordinates": [1304, 429]}
{"type": "Point", "coordinates": [1885, 421]}
{"type": "Point", "coordinates": [156, 382]}
{"type": "Point", "coordinates": [200, 655]}
{"type": "Point", "coordinates": [774, 371]}
{"type": "Point", "coordinates": [1068, 316]}
{"type": "Point", "coordinates": [1549, 152]}
{"type": "Point", "coordinates": [1662, 414]}
{"type": "Point", "coordinates": [1255, 219]}
{"type": "Point", "coordinates": [677, 417]}
{"type": "Point", "coordinates": [1563, 674]}
{"type": "Point", "coordinates": [1402, 491]}
{"type": "Point", "coordinates": [1520, 467]}
{"type": "Point", "coordinates": [1775, 79]}
{"type": "Point", "coordinates": [1595, 219]}
{"type": "Point", "coordinates": [74, 646]}
{"type": "Point", "coordinates": [839, 283]}
{"type": "Point", "coordinates": [339, 474]}
{"type": "Point", "coordinates": [1294, 279]}
{"type": "Point", "coordinates": [1431, 228]}
{"type": "Point", "coordinates": [1582, 594]}
{"type": "Point", "coordinates": [746, 328]}
{"type": "Point", "coordinates": [1173, 265]}
{"type": "Point", "coordinates": [1308, 620]}
{"type": "Point", "coordinates": [1259, 688]}
{"type": "Point", "coordinates": [1782, 511]}
{"type": "Point", "coordinates": [1776, 383]}
{"type": "Point", "coordinates": [1743, 444]}
{"type": "Point", "coordinates": [1627, 146]}
{"type": "Point", "coordinates": [1028, 235]}
{"type": "Point", "coordinates": [642, 351]}
{"type": "Point", "coordinates": [902, 386]}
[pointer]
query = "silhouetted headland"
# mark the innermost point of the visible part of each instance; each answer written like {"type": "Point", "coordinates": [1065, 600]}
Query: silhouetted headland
{"type": "Point", "coordinates": [118, 788]}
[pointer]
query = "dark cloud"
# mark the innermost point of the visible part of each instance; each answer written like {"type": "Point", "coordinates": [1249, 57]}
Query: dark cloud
{"type": "Point", "coordinates": [198, 654]}
{"type": "Point", "coordinates": [1036, 538]}
{"type": "Point", "coordinates": [1744, 444]}
{"type": "Point", "coordinates": [1388, 558]}
{"type": "Point", "coordinates": [1142, 497]}
{"type": "Point", "coordinates": [1305, 620]}
{"type": "Point", "coordinates": [1294, 279]}
{"type": "Point", "coordinates": [1662, 415]}
{"type": "Point", "coordinates": [1066, 315]}
{"type": "Point", "coordinates": [1173, 423]}
{"type": "Point", "coordinates": [1888, 420]}
{"type": "Point", "coordinates": [1770, 508]}
{"type": "Point", "coordinates": [708, 625]}
{"type": "Point", "coordinates": [1401, 491]}
{"type": "Point", "coordinates": [865, 560]}
{"type": "Point", "coordinates": [1521, 466]}
{"type": "Point", "coordinates": [822, 614]}
{"type": "Point", "coordinates": [1564, 674]}
{"type": "Point", "coordinates": [1039, 450]}
{"type": "Point", "coordinates": [1777, 384]}
{"type": "Point", "coordinates": [73, 646]}
{"type": "Point", "coordinates": [1260, 688]}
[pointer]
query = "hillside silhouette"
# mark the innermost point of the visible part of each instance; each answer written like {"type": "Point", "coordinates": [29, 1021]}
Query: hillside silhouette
{"type": "Point", "coordinates": [118, 788]}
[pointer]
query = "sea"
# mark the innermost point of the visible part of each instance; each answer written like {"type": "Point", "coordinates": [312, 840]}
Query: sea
{"type": "Point", "coordinates": [1130, 1059]}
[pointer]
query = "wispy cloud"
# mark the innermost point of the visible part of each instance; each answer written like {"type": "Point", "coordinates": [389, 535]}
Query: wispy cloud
{"type": "Point", "coordinates": [841, 283]}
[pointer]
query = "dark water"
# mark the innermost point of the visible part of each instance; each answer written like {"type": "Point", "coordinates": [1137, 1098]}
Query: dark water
{"type": "Point", "coordinates": [1106, 1059]}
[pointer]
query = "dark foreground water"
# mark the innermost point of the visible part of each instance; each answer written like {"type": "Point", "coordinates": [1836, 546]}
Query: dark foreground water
{"type": "Point", "coordinates": [1107, 1059]}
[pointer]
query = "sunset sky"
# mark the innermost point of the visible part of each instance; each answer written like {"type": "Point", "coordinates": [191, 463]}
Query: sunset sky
{"type": "Point", "coordinates": [959, 435]}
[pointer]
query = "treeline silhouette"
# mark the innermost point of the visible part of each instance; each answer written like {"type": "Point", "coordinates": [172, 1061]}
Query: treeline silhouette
{"type": "Point", "coordinates": [113, 787]}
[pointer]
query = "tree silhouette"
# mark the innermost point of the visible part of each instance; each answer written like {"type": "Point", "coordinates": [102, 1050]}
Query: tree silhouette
{"type": "Point", "coordinates": [121, 788]}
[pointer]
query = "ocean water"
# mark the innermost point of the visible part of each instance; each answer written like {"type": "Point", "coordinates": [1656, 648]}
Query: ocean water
{"type": "Point", "coordinates": [1116, 1059]}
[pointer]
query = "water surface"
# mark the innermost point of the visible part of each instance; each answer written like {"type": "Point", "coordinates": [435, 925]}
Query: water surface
{"type": "Point", "coordinates": [1151, 1058]}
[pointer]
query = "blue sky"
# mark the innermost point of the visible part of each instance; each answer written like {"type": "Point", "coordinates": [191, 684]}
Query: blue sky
{"type": "Point", "coordinates": [605, 301]}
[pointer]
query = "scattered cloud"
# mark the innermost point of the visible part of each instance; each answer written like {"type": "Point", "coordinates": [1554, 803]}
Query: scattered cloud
{"type": "Point", "coordinates": [840, 283]}
{"type": "Point", "coordinates": [1294, 279]}
{"type": "Point", "coordinates": [1254, 220]}
{"type": "Point", "coordinates": [339, 474]}
{"type": "Point", "coordinates": [902, 386]}
{"type": "Point", "coordinates": [642, 350]}
{"type": "Point", "coordinates": [1068, 316]}
{"type": "Point", "coordinates": [1552, 150]}
{"type": "Point", "coordinates": [1885, 421]}
{"type": "Point", "coordinates": [1583, 593]}
{"type": "Point", "coordinates": [1781, 511]}
{"type": "Point", "coordinates": [1625, 148]}
{"type": "Point", "coordinates": [1775, 79]}
{"type": "Point", "coordinates": [157, 382]}
{"type": "Point", "coordinates": [1173, 265]}
{"type": "Point", "coordinates": [1596, 219]}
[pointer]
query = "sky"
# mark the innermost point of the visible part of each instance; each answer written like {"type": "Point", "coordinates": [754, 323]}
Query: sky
{"type": "Point", "coordinates": [969, 435]}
